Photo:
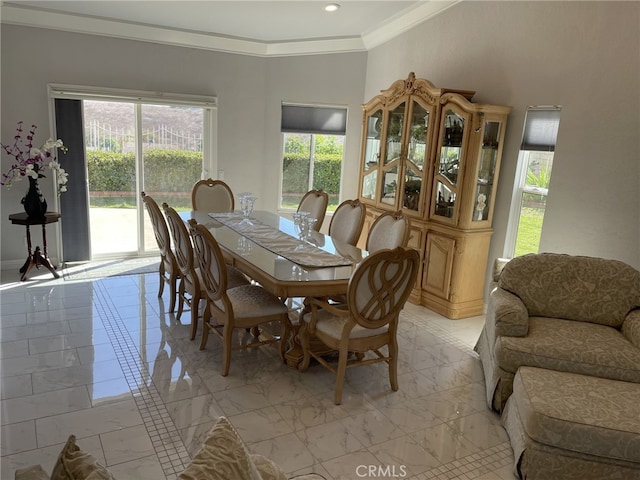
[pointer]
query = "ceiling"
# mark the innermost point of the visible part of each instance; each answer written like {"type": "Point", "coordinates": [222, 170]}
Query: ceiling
{"type": "Point", "coordinates": [240, 26]}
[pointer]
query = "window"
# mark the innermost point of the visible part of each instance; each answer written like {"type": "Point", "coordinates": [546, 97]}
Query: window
{"type": "Point", "coordinates": [126, 142]}
{"type": "Point", "coordinates": [533, 176]}
{"type": "Point", "coordinates": [313, 149]}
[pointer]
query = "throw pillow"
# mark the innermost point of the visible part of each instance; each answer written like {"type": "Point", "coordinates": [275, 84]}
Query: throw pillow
{"type": "Point", "coordinates": [74, 464]}
{"type": "Point", "coordinates": [267, 468]}
{"type": "Point", "coordinates": [308, 476]}
{"type": "Point", "coordinates": [222, 456]}
{"type": "Point", "coordinates": [34, 472]}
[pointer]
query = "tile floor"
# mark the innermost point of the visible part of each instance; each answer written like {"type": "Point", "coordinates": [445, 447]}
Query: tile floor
{"type": "Point", "coordinates": [102, 359]}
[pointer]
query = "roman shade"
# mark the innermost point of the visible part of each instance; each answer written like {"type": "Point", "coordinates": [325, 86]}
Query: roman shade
{"type": "Point", "coordinates": [541, 129]}
{"type": "Point", "coordinates": [318, 120]}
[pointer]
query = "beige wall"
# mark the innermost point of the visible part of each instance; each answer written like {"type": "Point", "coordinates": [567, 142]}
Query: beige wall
{"type": "Point", "coordinates": [249, 91]}
{"type": "Point", "coordinates": [582, 56]}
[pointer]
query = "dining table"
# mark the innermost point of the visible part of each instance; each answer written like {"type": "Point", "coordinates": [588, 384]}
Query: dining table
{"type": "Point", "coordinates": [277, 258]}
{"type": "Point", "coordinates": [268, 248]}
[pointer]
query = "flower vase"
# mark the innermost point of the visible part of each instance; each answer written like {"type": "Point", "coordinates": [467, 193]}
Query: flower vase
{"type": "Point", "coordinates": [34, 203]}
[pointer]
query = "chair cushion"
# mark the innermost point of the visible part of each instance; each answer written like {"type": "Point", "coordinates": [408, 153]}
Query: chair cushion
{"type": "Point", "coordinates": [222, 456]}
{"type": "Point", "coordinates": [332, 325]}
{"type": "Point", "coordinates": [580, 413]}
{"type": "Point", "coordinates": [235, 278]}
{"type": "Point", "coordinates": [567, 345]}
{"type": "Point", "coordinates": [254, 301]}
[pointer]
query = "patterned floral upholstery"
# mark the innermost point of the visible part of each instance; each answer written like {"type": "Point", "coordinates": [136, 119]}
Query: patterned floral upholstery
{"type": "Point", "coordinates": [570, 346]}
{"type": "Point", "coordinates": [587, 289]}
{"type": "Point", "coordinates": [569, 426]}
{"type": "Point", "coordinates": [569, 313]}
{"type": "Point", "coordinates": [222, 456]}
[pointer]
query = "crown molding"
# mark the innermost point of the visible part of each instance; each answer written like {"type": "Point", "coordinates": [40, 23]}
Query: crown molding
{"type": "Point", "coordinates": [14, 14]}
{"type": "Point", "coordinates": [403, 23]}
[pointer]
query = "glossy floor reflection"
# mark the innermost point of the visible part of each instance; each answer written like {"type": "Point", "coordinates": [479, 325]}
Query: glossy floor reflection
{"type": "Point", "coordinates": [103, 360]}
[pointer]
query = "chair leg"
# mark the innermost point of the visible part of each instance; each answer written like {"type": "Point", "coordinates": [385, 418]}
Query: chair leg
{"type": "Point", "coordinates": [340, 373]}
{"type": "Point", "coordinates": [227, 337]}
{"type": "Point", "coordinates": [195, 305]}
{"type": "Point", "coordinates": [173, 282]}
{"type": "Point", "coordinates": [393, 364]}
{"type": "Point", "coordinates": [181, 296]}
{"type": "Point", "coordinates": [206, 318]}
{"type": "Point", "coordinates": [161, 272]}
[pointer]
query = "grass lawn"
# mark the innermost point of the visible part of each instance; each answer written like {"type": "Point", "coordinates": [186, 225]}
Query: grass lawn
{"type": "Point", "coordinates": [528, 239]}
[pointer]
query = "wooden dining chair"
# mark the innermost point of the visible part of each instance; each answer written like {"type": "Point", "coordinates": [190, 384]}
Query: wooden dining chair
{"type": "Point", "coordinates": [212, 196]}
{"type": "Point", "coordinates": [169, 270]}
{"type": "Point", "coordinates": [377, 291]}
{"type": "Point", "coordinates": [315, 202]}
{"type": "Point", "coordinates": [389, 230]}
{"type": "Point", "coordinates": [228, 308]}
{"type": "Point", "coordinates": [347, 221]}
{"type": "Point", "coordinates": [190, 287]}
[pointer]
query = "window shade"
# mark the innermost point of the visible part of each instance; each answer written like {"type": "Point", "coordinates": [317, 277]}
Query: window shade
{"type": "Point", "coordinates": [321, 120]}
{"type": "Point", "coordinates": [541, 129]}
{"type": "Point", "coordinates": [74, 205]}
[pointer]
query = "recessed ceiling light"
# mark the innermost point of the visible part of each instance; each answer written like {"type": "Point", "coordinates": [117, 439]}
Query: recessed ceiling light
{"type": "Point", "coordinates": [331, 7]}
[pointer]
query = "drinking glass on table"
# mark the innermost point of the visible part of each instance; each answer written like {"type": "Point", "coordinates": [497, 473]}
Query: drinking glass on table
{"type": "Point", "coordinates": [310, 222]}
{"type": "Point", "coordinates": [300, 225]}
{"type": "Point", "coordinates": [247, 202]}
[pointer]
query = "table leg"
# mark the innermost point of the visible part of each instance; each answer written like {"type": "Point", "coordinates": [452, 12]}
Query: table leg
{"type": "Point", "coordinates": [25, 268]}
{"type": "Point", "coordinates": [37, 259]}
{"type": "Point", "coordinates": [28, 264]}
{"type": "Point", "coordinates": [44, 259]}
{"type": "Point", "coordinates": [293, 356]}
{"type": "Point", "coordinates": [44, 240]}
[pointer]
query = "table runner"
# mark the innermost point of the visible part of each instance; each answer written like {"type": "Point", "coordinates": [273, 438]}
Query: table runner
{"type": "Point", "coordinates": [280, 243]}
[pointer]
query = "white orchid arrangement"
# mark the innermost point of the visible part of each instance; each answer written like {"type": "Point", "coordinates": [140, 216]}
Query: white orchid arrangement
{"type": "Point", "coordinates": [31, 161]}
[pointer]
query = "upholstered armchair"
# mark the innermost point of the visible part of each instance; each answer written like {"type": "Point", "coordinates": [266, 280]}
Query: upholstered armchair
{"type": "Point", "coordinates": [561, 312]}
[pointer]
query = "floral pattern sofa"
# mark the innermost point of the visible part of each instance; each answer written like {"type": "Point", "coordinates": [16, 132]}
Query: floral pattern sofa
{"type": "Point", "coordinates": [560, 312]}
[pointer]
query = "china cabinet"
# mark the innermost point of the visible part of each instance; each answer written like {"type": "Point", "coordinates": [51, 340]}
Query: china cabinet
{"type": "Point", "coordinates": [435, 155]}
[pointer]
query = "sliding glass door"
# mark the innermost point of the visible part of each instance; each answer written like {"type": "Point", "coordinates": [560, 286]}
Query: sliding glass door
{"type": "Point", "coordinates": [135, 147]}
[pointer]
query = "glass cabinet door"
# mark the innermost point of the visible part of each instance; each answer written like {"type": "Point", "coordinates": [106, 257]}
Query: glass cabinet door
{"type": "Point", "coordinates": [389, 186]}
{"type": "Point", "coordinates": [395, 124]}
{"type": "Point", "coordinates": [417, 151]}
{"type": "Point", "coordinates": [449, 163]}
{"type": "Point", "coordinates": [372, 140]}
{"type": "Point", "coordinates": [371, 155]}
{"type": "Point", "coordinates": [393, 150]}
{"type": "Point", "coordinates": [486, 170]}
